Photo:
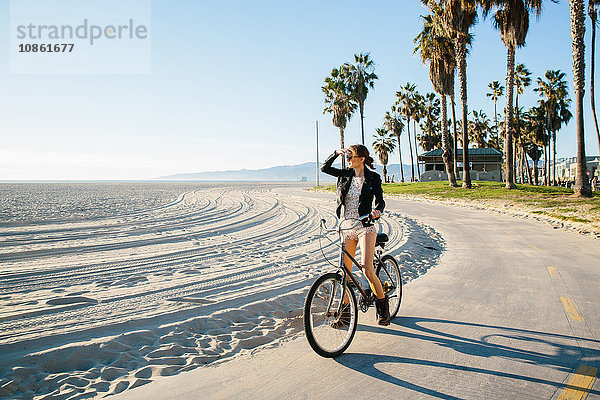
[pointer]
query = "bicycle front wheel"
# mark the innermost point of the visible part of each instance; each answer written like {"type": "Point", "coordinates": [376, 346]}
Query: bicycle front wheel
{"type": "Point", "coordinates": [391, 280]}
{"type": "Point", "coordinates": [329, 333]}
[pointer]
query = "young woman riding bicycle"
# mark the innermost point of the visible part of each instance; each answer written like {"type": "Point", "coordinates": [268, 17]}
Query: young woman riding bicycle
{"type": "Point", "coordinates": [357, 187]}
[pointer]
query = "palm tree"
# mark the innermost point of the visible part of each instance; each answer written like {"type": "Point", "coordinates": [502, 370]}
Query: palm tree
{"type": "Point", "coordinates": [362, 78]}
{"type": "Point", "coordinates": [383, 146]}
{"type": "Point", "coordinates": [458, 16]}
{"type": "Point", "coordinates": [431, 110]}
{"type": "Point", "coordinates": [418, 114]}
{"type": "Point", "coordinates": [534, 136]}
{"type": "Point", "coordinates": [495, 141]}
{"type": "Point", "coordinates": [556, 102]}
{"type": "Point", "coordinates": [436, 48]}
{"type": "Point", "coordinates": [479, 128]}
{"type": "Point", "coordinates": [522, 80]}
{"type": "Point", "coordinates": [524, 143]}
{"type": "Point", "coordinates": [459, 127]}
{"type": "Point", "coordinates": [454, 132]}
{"type": "Point", "coordinates": [593, 13]}
{"type": "Point", "coordinates": [496, 91]}
{"type": "Point", "coordinates": [393, 123]}
{"type": "Point", "coordinates": [582, 183]}
{"type": "Point", "coordinates": [512, 20]}
{"type": "Point", "coordinates": [338, 99]}
{"type": "Point", "coordinates": [406, 105]}
{"type": "Point", "coordinates": [519, 151]}
{"type": "Point", "coordinates": [429, 138]}
{"type": "Point", "coordinates": [437, 7]}
{"type": "Point", "coordinates": [547, 139]}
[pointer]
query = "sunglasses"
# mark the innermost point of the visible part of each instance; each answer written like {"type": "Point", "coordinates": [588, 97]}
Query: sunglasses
{"type": "Point", "coordinates": [350, 157]}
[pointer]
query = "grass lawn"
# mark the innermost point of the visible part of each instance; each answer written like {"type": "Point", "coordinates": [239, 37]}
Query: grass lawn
{"type": "Point", "coordinates": [556, 202]}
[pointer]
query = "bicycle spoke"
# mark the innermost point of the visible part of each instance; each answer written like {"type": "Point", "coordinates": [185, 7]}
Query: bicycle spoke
{"type": "Point", "coordinates": [329, 333]}
{"type": "Point", "coordinates": [389, 275]}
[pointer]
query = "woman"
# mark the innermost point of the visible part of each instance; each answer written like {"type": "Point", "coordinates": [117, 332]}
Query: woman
{"type": "Point", "coordinates": [357, 186]}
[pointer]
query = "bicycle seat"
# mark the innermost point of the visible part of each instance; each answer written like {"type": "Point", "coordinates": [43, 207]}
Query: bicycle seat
{"type": "Point", "coordinates": [382, 238]}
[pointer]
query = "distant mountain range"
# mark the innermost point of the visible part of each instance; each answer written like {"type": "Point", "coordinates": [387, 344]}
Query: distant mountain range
{"type": "Point", "coordinates": [282, 173]}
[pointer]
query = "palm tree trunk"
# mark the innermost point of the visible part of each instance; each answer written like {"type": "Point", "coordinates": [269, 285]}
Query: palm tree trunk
{"type": "Point", "coordinates": [416, 149]}
{"type": "Point", "coordinates": [545, 165]}
{"type": "Point", "coordinates": [593, 17]}
{"type": "Point", "coordinates": [447, 152]}
{"type": "Point", "coordinates": [342, 146]}
{"type": "Point", "coordinates": [542, 155]}
{"type": "Point", "coordinates": [517, 138]}
{"type": "Point", "coordinates": [508, 139]}
{"type": "Point", "coordinates": [535, 171]}
{"type": "Point", "coordinates": [362, 117]}
{"type": "Point", "coordinates": [400, 155]}
{"type": "Point", "coordinates": [384, 173]}
{"type": "Point", "coordinates": [518, 130]}
{"type": "Point", "coordinates": [582, 185]}
{"type": "Point", "coordinates": [412, 161]}
{"type": "Point", "coordinates": [496, 118]}
{"type": "Point", "coordinates": [553, 158]}
{"type": "Point", "coordinates": [526, 162]}
{"type": "Point", "coordinates": [455, 141]}
{"type": "Point", "coordinates": [461, 57]}
{"type": "Point", "coordinates": [514, 161]}
{"type": "Point", "coordinates": [548, 162]}
{"type": "Point", "coordinates": [522, 163]}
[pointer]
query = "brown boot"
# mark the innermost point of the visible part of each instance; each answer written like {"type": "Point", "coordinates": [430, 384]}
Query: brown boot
{"type": "Point", "coordinates": [382, 306]}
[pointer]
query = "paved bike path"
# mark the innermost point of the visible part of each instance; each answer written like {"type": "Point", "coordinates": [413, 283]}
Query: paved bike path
{"type": "Point", "coordinates": [512, 311]}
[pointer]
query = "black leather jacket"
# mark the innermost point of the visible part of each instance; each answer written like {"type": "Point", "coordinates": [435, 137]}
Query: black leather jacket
{"type": "Point", "coordinates": [371, 188]}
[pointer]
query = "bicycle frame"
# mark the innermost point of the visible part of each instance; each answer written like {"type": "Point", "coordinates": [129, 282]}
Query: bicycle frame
{"type": "Point", "coordinates": [346, 272]}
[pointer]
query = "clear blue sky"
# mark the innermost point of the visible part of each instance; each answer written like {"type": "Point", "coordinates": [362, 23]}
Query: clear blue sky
{"type": "Point", "coordinates": [236, 84]}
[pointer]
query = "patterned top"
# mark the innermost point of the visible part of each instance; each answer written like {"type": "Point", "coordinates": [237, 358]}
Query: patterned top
{"type": "Point", "coordinates": [352, 197]}
{"type": "Point", "coordinates": [351, 210]}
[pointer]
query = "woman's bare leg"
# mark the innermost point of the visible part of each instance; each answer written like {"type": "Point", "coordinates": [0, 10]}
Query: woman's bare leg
{"type": "Point", "coordinates": [350, 248]}
{"type": "Point", "coordinates": [367, 245]}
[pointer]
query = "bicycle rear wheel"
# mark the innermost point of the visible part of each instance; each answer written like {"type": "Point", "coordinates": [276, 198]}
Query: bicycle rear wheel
{"type": "Point", "coordinates": [328, 333]}
{"type": "Point", "coordinates": [389, 275]}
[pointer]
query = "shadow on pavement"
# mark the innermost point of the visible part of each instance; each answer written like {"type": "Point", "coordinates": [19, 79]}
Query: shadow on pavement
{"type": "Point", "coordinates": [561, 352]}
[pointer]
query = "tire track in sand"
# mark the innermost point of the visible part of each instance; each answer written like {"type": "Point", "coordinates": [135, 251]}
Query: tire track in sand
{"type": "Point", "coordinates": [165, 289]}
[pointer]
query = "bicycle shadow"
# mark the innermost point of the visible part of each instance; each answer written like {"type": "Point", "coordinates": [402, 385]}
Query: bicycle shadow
{"type": "Point", "coordinates": [561, 352]}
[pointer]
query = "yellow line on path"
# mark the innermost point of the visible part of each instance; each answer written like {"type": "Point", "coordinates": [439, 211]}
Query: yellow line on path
{"type": "Point", "coordinates": [553, 271]}
{"type": "Point", "coordinates": [536, 248]}
{"type": "Point", "coordinates": [579, 386]}
{"type": "Point", "coordinates": [509, 233]}
{"type": "Point", "coordinates": [570, 308]}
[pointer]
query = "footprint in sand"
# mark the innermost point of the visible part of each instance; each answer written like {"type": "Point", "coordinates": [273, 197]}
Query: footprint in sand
{"type": "Point", "coordinates": [112, 373]}
{"type": "Point", "coordinates": [130, 281]}
{"type": "Point", "coordinates": [144, 373]}
{"type": "Point", "coordinates": [61, 301]}
{"type": "Point", "coordinates": [78, 293]}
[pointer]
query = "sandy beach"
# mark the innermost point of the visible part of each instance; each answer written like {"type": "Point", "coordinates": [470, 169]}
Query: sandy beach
{"type": "Point", "coordinates": [107, 287]}
{"type": "Point", "coordinates": [510, 311]}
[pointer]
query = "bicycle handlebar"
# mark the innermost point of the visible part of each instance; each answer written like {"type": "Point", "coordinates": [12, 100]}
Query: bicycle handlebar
{"type": "Point", "coordinates": [368, 219]}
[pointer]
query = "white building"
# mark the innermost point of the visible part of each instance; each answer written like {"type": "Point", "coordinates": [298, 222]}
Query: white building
{"type": "Point", "coordinates": [566, 168]}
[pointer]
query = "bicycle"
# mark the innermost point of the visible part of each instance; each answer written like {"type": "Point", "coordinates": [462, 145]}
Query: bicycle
{"type": "Point", "coordinates": [327, 334]}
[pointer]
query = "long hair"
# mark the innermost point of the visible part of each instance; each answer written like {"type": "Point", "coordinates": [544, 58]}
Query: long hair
{"type": "Point", "coordinates": [361, 151]}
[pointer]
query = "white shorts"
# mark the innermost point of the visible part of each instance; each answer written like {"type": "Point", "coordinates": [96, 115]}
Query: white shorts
{"type": "Point", "coordinates": [359, 231]}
